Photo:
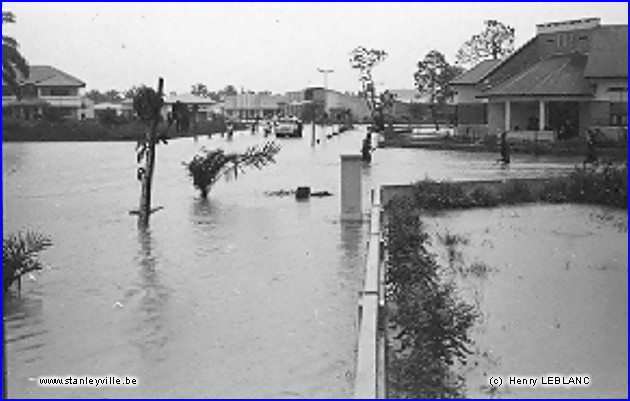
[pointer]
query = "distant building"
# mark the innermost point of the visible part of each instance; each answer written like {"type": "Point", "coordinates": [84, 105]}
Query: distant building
{"type": "Point", "coordinates": [201, 108]}
{"type": "Point", "coordinates": [47, 89]}
{"type": "Point", "coordinates": [249, 106]}
{"type": "Point", "coordinates": [570, 77]}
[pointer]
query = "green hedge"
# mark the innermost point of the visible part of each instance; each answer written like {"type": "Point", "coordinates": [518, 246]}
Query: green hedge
{"type": "Point", "coordinates": [605, 185]}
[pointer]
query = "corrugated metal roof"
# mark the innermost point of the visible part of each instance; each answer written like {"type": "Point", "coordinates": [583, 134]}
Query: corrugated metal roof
{"type": "Point", "coordinates": [553, 76]}
{"type": "Point", "coordinates": [45, 75]}
{"type": "Point", "coordinates": [608, 53]}
{"type": "Point", "coordinates": [476, 74]}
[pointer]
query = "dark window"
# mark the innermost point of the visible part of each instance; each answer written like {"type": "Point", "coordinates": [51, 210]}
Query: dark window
{"type": "Point", "coordinates": [619, 114]}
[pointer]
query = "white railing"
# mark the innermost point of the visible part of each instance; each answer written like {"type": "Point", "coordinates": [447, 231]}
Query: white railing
{"type": "Point", "coordinates": [370, 368]}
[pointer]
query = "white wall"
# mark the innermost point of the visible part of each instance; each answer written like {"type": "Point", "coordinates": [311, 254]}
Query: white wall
{"type": "Point", "coordinates": [603, 92]}
{"type": "Point", "coordinates": [467, 94]}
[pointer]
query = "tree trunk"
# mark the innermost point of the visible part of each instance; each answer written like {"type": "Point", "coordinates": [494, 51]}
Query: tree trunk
{"type": "Point", "coordinates": [147, 179]}
{"type": "Point", "coordinates": [434, 117]}
{"type": "Point", "coordinates": [204, 192]}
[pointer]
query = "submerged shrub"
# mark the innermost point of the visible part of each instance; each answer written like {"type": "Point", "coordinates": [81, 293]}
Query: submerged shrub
{"type": "Point", "coordinates": [209, 166]}
{"type": "Point", "coordinates": [20, 256]}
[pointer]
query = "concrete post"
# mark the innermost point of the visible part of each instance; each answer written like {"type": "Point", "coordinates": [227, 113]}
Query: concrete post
{"type": "Point", "coordinates": [508, 115]}
{"type": "Point", "coordinates": [351, 187]}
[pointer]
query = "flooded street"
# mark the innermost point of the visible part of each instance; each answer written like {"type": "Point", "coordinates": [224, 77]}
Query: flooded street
{"type": "Point", "coordinates": [242, 295]}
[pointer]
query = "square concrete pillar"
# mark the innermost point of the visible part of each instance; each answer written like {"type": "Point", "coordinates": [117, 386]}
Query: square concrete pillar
{"type": "Point", "coordinates": [508, 116]}
{"type": "Point", "coordinates": [542, 118]}
{"type": "Point", "coordinates": [351, 188]}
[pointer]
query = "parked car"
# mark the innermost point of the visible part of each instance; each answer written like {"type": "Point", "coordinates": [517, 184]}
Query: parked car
{"type": "Point", "coordinates": [289, 127]}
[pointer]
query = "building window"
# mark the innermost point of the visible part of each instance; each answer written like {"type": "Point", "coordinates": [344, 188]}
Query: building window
{"type": "Point", "coordinates": [619, 114]}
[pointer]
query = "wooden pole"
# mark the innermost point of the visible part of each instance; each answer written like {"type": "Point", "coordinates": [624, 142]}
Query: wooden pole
{"type": "Point", "coordinates": [147, 178]}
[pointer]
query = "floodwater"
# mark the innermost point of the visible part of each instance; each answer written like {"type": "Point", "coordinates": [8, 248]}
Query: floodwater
{"type": "Point", "coordinates": [553, 297]}
{"type": "Point", "coordinates": [242, 295]}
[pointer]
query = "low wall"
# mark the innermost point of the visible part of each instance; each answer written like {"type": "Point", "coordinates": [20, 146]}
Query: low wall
{"type": "Point", "coordinates": [531, 136]}
{"type": "Point", "coordinates": [611, 134]}
{"type": "Point", "coordinates": [472, 131]}
{"type": "Point", "coordinates": [370, 366]}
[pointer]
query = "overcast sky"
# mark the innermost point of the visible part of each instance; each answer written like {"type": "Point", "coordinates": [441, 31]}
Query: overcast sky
{"type": "Point", "coordinates": [262, 46]}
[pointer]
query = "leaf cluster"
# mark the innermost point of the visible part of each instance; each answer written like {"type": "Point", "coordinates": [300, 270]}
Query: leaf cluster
{"type": "Point", "coordinates": [20, 255]}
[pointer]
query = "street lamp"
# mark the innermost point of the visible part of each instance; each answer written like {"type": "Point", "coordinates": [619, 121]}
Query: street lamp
{"type": "Point", "coordinates": [325, 72]}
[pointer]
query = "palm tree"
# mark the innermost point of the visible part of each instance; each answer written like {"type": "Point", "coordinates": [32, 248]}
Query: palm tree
{"type": "Point", "coordinates": [13, 64]}
{"type": "Point", "coordinates": [209, 166]}
{"type": "Point", "coordinates": [19, 256]}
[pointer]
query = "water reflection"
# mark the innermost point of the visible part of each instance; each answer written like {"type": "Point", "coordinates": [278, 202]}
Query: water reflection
{"type": "Point", "coordinates": [23, 320]}
{"type": "Point", "coordinates": [149, 302]}
{"type": "Point", "coordinates": [352, 233]}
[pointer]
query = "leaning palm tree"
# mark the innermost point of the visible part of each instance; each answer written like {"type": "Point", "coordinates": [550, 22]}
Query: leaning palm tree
{"type": "Point", "coordinates": [13, 64]}
{"type": "Point", "coordinates": [209, 166]}
{"type": "Point", "coordinates": [19, 256]}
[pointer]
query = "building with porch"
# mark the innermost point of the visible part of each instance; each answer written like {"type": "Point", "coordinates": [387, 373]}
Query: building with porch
{"type": "Point", "coordinates": [47, 89]}
{"type": "Point", "coordinates": [571, 77]}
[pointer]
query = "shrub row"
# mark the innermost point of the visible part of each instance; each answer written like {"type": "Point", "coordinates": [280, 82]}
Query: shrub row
{"type": "Point", "coordinates": [603, 185]}
{"type": "Point", "coordinates": [428, 324]}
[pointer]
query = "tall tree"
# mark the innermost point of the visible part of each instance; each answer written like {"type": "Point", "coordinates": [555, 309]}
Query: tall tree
{"type": "Point", "coordinates": [229, 90]}
{"type": "Point", "coordinates": [365, 60]}
{"type": "Point", "coordinates": [13, 63]}
{"type": "Point", "coordinates": [495, 41]}
{"type": "Point", "coordinates": [132, 92]}
{"type": "Point", "coordinates": [111, 96]}
{"type": "Point", "coordinates": [200, 90]}
{"type": "Point", "coordinates": [433, 78]}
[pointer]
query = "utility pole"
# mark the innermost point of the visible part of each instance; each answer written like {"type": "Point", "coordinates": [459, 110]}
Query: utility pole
{"type": "Point", "coordinates": [325, 72]}
{"type": "Point", "coordinates": [147, 178]}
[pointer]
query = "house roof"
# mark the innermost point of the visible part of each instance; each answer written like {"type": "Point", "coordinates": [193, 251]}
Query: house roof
{"type": "Point", "coordinates": [608, 52]}
{"type": "Point", "coordinates": [476, 74]}
{"type": "Point", "coordinates": [189, 98]}
{"type": "Point", "coordinates": [552, 76]}
{"type": "Point", "coordinates": [45, 75]}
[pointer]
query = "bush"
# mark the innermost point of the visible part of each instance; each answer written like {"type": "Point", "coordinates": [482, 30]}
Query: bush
{"type": "Point", "coordinates": [19, 256]}
{"type": "Point", "coordinates": [432, 196]}
{"type": "Point", "coordinates": [483, 197]}
{"type": "Point", "coordinates": [514, 192]}
{"type": "Point", "coordinates": [607, 185]}
{"type": "Point", "coordinates": [209, 166]}
{"type": "Point", "coordinates": [428, 324]}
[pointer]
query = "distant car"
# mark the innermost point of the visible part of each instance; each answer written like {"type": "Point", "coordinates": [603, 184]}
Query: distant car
{"type": "Point", "coordinates": [289, 127]}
